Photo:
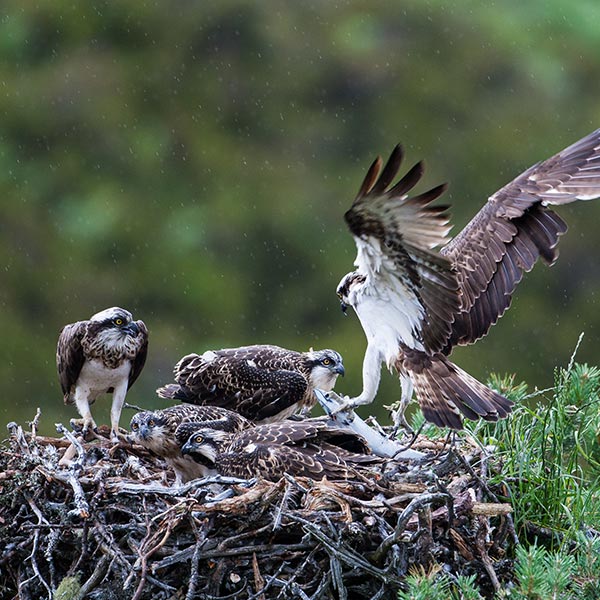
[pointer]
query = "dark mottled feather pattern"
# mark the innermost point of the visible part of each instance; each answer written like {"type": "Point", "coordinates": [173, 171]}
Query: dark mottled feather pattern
{"type": "Point", "coordinates": [257, 392]}
{"type": "Point", "coordinates": [261, 382]}
{"type": "Point", "coordinates": [305, 449]}
{"type": "Point", "coordinates": [69, 356]}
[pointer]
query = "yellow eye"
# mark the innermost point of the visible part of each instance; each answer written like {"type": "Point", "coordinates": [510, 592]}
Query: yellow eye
{"type": "Point", "coordinates": [199, 439]}
{"type": "Point", "coordinates": [118, 321]}
{"type": "Point", "coordinates": [151, 422]}
{"type": "Point", "coordinates": [326, 361]}
{"type": "Point", "coordinates": [134, 427]}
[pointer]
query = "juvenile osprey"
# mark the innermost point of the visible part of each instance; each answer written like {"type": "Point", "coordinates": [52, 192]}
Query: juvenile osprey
{"type": "Point", "coordinates": [157, 430]}
{"type": "Point", "coordinates": [103, 355]}
{"type": "Point", "coordinates": [415, 303]}
{"type": "Point", "coordinates": [262, 383]}
{"type": "Point", "coordinates": [303, 449]}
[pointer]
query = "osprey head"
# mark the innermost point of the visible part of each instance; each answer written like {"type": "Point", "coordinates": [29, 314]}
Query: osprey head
{"type": "Point", "coordinates": [149, 429]}
{"type": "Point", "coordinates": [118, 320]}
{"type": "Point", "coordinates": [347, 289]}
{"type": "Point", "coordinates": [324, 367]}
{"type": "Point", "coordinates": [204, 445]}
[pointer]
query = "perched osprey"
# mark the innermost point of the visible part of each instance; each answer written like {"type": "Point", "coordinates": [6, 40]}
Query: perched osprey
{"type": "Point", "coordinates": [262, 383]}
{"type": "Point", "coordinates": [304, 449]}
{"type": "Point", "coordinates": [415, 303]}
{"type": "Point", "coordinates": [103, 355]}
{"type": "Point", "coordinates": [158, 431]}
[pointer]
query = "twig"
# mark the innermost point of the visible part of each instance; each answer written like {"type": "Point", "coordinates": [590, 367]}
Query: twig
{"type": "Point", "coordinates": [379, 444]}
{"type": "Point", "coordinates": [485, 557]}
{"type": "Point", "coordinates": [154, 545]}
{"type": "Point", "coordinates": [36, 538]}
{"type": "Point", "coordinates": [35, 423]}
{"type": "Point", "coordinates": [193, 584]}
{"type": "Point", "coordinates": [76, 443]}
{"type": "Point", "coordinates": [407, 513]}
{"type": "Point", "coordinates": [95, 578]}
{"type": "Point", "coordinates": [572, 359]}
{"type": "Point", "coordinates": [490, 494]}
{"type": "Point", "coordinates": [338, 578]}
{"type": "Point", "coordinates": [325, 581]}
{"type": "Point", "coordinates": [346, 554]}
{"type": "Point", "coordinates": [125, 487]}
{"type": "Point", "coordinates": [282, 505]}
{"type": "Point", "coordinates": [259, 581]}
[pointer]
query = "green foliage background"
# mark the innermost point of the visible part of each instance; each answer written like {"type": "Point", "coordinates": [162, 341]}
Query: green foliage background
{"type": "Point", "coordinates": [191, 161]}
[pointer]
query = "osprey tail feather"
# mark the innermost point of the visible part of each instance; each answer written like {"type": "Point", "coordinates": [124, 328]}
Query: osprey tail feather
{"type": "Point", "coordinates": [446, 393]}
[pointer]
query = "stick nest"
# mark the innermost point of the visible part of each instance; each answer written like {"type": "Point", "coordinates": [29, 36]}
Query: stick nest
{"type": "Point", "coordinates": [108, 525]}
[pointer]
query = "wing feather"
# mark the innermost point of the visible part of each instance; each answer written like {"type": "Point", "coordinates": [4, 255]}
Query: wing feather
{"type": "Point", "coordinates": [70, 356]}
{"type": "Point", "coordinates": [140, 357]}
{"type": "Point", "coordinates": [395, 236]}
{"type": "Point", "coordinates": [513, 230]}
{"type": "Point", "coordinates": [302, 449]}
{"type": "Point", "coordinates": [259, 382]}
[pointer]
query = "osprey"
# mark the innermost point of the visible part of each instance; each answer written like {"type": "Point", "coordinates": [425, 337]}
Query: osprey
{"type": "Point", "coordinates": [103, 355]}
{"type": "Point", "coordinates": [263, 383]}
{"type": "Point", "coordinates": [159, 432]}
{"type": "Point", "coordinates": [302, 449]}
{"type": "Point", "coordinates": [416, 304]}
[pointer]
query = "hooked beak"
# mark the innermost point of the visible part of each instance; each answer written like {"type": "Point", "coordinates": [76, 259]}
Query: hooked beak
{"type": "Point", "coordinates": [344, 307]}
{"type": "Point", "coordinates": [132, 329]}
{"type": "Point", "coordinates": [340, 370]}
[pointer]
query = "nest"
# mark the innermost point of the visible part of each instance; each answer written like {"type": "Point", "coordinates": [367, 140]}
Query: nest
{"type": "Point", "coordinates": [107, 524]}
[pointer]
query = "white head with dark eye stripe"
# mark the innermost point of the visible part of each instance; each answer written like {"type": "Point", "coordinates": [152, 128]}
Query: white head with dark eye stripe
{"type": "Point", "coordinates": [116, 321]}
{"type": "Point", "coordinates": [324, 366]}
{"type": "Point", "coordinates": [205, 444]}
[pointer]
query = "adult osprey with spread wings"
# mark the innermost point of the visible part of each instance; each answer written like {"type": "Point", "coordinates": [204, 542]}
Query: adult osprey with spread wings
{"type": "Point", "coordinates": [416, 304]}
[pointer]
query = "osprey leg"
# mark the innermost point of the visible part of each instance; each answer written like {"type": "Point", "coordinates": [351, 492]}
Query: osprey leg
{"type": "Point", "coordinates": [116, 408]}
{"type": "Point", "coordinates": [406, 396]}
{"type": "Point", "coordinates": [371, 375]}
{"type": "Point", "coordinates": [83, 407]}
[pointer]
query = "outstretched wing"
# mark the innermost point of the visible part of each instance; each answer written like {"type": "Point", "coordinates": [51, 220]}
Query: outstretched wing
{"type": "Point", "coordinates": [515, 228]}
{"type": "Point", "coordinates": [140, 357]}
{"type": "Point", "coordinates": [69, 355]}
{"type": "Point", "coordinates": [395, 235]}
{"type": "Point", "coordinates": [256, 381]}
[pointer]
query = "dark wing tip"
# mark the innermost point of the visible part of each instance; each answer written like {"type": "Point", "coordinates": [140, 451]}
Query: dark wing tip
{"type": "Point", "coordinates": [377, 179]}
{"type": "Point", "coordinates": [389, 171]}
{"type": "Point", "coordinates": [370, 178]}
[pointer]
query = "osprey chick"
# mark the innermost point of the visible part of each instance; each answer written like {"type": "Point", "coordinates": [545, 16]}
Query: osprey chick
{"type": "Point", "coordinates": [159, 432]}
{"type": "Point", "coordinates": [263, 383]}
{"type": "Point", "coordinates": [302, 449]}
{"type": "Point", "coordinates": [103, 355]}
{"type": "Point", "coordinates": [416, 304]}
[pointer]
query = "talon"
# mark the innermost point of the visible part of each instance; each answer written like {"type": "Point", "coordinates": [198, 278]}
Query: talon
{"type": "Point", "coordinates": [116, 437]}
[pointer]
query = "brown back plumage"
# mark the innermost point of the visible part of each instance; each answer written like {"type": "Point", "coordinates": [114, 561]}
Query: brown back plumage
{"type": "Point", "coordinates": [304, 449]}
{"type": "Point", "coordinates": [261, 382]}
